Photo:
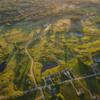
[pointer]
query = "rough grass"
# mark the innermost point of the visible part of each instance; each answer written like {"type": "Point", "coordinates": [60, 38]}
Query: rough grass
{"type": "Point", "coordinates": [93, 85]}
{"type": "Point", "coordinates": [70, 46]}
{"type": "Point", "coordinates": [68, 92]}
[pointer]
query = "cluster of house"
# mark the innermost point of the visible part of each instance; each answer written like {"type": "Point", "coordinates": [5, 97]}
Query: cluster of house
{"type": "Point", "coordinates": [65, 72]}
{"type": "Point", "coordinates": [53, 74]}
{"type": "Point", "coordinates": [97, 60]}
{"type": "Point", "coordinates": [28, 80]}
{"type": "Point", "coordinates": [93, 66]}
{"type": "Point", "coordinates": [96, 97]}
{"type": "Point", "coordinates": [20, 50]}
{"type": "Point", "coordinates": [54, 91]}
{"type": "Point", "coordinates": [81, 92]}
{"type": "Point", "coordinates": [22, 53]}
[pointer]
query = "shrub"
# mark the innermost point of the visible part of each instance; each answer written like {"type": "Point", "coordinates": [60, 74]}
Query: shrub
{"type": "Point", "coordinates": [60, 96]}
{"type": "Point", "coordinates": [44, 92]}
{"type": "Point", "coordinates": [16, 87]}
{"type": "Point", "coordinates": [50, 96]}
{"type": "Point", "coordinates": [52, 85]}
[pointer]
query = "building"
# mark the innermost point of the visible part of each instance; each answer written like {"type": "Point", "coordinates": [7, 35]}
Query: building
{"type": "Point", "coordinates": [43, 79]}
{"type": "Point", "coordinates": [28, 81]}
{"type": "Point", "coordinates": [27, 75]}
{"type": "Point", "coordinates": [45, 26]}
{"type": "Point", "coordinates": [20, 48]}
{"type": "Point", "coordinates": [81, 92]}
{"type": "Point", "coordinates": [22, 53]}
{"type": "Point", "coordinates": [48, 77]}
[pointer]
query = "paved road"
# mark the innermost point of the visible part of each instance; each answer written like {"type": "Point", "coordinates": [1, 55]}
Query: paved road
{"type": "Point", "coordinates": [32, 61]}
{"type": "Point", "coordinates": [40, 88]}
{"type": "Point", "coordinates": [31, 57]}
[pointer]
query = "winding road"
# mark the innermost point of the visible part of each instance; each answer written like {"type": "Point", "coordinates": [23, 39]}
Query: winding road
{"type": "Point", "coordinates": [40, 88]}
{"type": "Point", "coordinates": [31, 57]}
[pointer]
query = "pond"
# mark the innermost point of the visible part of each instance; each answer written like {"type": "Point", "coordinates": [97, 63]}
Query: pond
{"type": "Point", "coordinates": [48, 66]}
{"type": "Point", "coordinates": [2, 66]}
{"type": "Point", "coordinates": [77, 35]}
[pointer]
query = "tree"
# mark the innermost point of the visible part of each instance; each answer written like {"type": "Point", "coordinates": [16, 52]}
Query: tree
{"type": "Point", "coordinates": [75, 18]}
{"type": "Point", "coordinates": [60, 96]}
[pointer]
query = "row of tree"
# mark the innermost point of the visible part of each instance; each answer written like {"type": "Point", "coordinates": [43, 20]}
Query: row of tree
{"type": "Point", "coordinates": [18, 10]}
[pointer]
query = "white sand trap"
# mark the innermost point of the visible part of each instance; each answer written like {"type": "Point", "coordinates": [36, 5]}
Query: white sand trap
{"type": "Point", "coordinates": [77, 35]}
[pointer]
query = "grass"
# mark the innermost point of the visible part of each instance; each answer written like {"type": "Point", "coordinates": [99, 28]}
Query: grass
{"type": "Point", "coordinates": [70, 95]}
{"type": "Point", "coordinates": [26, 96]}
{"type": "Point", "coordinates": [70, 46]}
{"type": "Point", "coordinates": [92, 84]}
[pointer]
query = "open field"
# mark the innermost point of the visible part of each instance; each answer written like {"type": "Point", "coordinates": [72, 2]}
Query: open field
{"type": "Point", "coordinates": [66, 44]}
{"type": "Point", "coordinates": [69, 94]}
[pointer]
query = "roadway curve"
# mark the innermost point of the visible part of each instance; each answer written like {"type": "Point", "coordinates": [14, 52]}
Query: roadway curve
{"type": "Point", "coordinates": [31, 57]}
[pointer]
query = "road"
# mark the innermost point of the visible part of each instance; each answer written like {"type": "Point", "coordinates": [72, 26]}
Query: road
{"type": "Point", "coordinates": [40, 88]}
{"type": "Point", "coordinates": [31, 57]}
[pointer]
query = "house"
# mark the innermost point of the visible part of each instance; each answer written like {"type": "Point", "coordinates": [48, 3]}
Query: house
{"type": "Point", "coordinates": [99, 60]}
{"type": "Point", "coordinates": [43, 79]}
{"type": "Point", "coordinates": [50, 24]}
{"type": "Point", "coordinates": [48, 77]}
{"type": "Point", "coordinates": [57, 99]}
{"type": "Point", "coordinates": [54, 91]}
{"type": "Point", "coordinates": [96, 97]}
{"type": "Point", "coordinates": [96, 64]}
{"type": "Point", "coordinates": [28, 81]}
{"type": "Point", "coordinates": [94, 69]}
{"type": "Point", "coordinates": [78, 7]}
{"type": "Point", "coordinates": [59, 73]}
{"type": "Point", "coordinates": [71, 70]}
{"type": "Point", "coordinates": [93, 16]}
{"type": "Point", "coordinates": [22, 53]}
{"type": "Point", "coordinates": [20, 48]}
{"type": "Point", "coordinates": [81, 92]}
{"type": "Point", "coordinates": [62, 72]}
{"type": "Point", "coordinates": [53, 74]}
{"type": "Point", "coordinates": [27, 75]}
{"type": "Point", "coordinates": [38, 33]}
{"type": "Point", "coordinates": [45, 26]}
{"type": "Point", "coordinates": [66, 70]}
{"type": "Point", "coordinates": [84, 15]}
